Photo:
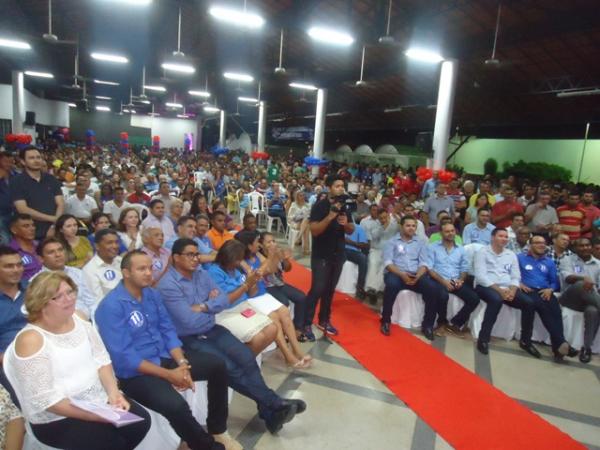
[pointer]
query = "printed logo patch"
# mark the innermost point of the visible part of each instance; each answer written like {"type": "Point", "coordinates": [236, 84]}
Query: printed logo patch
{"type": "Point", "coordinates": [136, 319]}
{"type": "Point", "coordinates": [110, 275]}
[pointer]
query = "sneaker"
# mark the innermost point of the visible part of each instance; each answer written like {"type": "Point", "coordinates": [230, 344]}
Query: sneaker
{"type": "Point", "coordinates": [308, 334]}
{"type": "Point", "coordinates": [327, 328]}
{"type": "Point", "coordinates": [227, 441]}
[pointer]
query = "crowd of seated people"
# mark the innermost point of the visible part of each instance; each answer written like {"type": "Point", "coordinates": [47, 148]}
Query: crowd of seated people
{"type": "Point", "coordinates": [163, 254]}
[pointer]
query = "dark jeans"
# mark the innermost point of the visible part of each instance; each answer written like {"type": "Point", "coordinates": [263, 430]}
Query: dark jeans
{"type": "Point", "coordinates": [76, 434]}
{"type": "Point", "coordinates": [325, 276]}
{"type": "Point", "coordinates": [470, 298]}
{"type": "Point", "coordinates": [426, 286]}
{"type": "Point", "coordinates": [282, 216]}
{"type": "Point", "coordinates": [286, 294]}
{"type": "Point", "coordinates": [362, 261]}
{"type": "Point", "coordinates": [551, 316]}
{"type": "Point", "coordinates": [494, 303]}
{"type": "Point", "coordinates": [243, 373]}
{"type": "Point", "coordinates": [159, 395]}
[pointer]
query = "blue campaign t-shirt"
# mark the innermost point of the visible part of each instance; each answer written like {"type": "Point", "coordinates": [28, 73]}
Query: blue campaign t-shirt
{"type": "Point", "coordinates": [358, 235]}
{"type": "Point", "coordinates": [228, 281]}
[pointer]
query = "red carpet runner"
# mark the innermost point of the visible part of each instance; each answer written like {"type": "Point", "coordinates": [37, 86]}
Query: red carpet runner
{"type": "Point", "coordinates": [464, 409]}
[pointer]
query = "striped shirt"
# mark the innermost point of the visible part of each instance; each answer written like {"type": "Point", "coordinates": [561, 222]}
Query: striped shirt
{"type": "Point", "coordinates": [571, 220]}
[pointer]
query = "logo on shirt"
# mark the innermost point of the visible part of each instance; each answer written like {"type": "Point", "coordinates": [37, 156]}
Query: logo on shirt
{"type": "Point", "coordinates": [528, 267]}
{"type": "Point", "coordinates": [243, 278]}
{"type": "Point", "coordinates": [507, 267]}
{"type": "Point", "coordinates": [578, 269]}
{"type": "Point", "coordinates": [110, 275]}
{"type": "Point", "coordinates": [543, 268]}
{"type": "Point", "coordinates": [26, 259]}
{"type": "Point", "coordinates": [136, 319]}
{"type": "Point", "coordinates": [157, 264]}
{"type": "Point", "coordinates": [400, 248]}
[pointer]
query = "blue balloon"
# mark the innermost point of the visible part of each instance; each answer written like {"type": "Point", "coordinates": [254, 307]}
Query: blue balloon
{"type": "Point", "coordinates": [312, 161]}
{"type": "Point", "coordinates": [90, 133]}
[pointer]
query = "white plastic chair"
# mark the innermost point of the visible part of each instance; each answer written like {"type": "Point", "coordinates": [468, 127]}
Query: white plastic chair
{"type": "Point", "coordinates": [257, 206]}
{"type": "Point", "coordinates": [348, 278]}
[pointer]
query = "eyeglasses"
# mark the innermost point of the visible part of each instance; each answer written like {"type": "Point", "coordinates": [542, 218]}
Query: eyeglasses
{"type": "Point", "coordinates": [191, 255]}
{"type": "Point", "coordinates": [62, 298]}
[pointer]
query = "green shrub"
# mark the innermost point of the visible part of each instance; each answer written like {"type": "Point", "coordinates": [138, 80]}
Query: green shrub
{"type": "Point", "coordinates": [537, 171]}
{"type": "Point", "coordinates": [458, 170]}
{"type": "Point", "coordinates": [490, 167]}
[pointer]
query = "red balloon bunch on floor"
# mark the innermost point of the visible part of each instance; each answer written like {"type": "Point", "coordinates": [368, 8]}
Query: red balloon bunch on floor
{"type": "Point", "coordinates": [23, 139]}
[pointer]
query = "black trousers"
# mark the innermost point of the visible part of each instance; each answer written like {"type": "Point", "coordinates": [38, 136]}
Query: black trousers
{"type": "Point", "coordinates": [159, 395]}
{"type": "Point", "coordinates": [325, 276]}
{"type": "Point", "coordinates": [286, 294]}
{"type": "Point", "coordinates": [76, 434]}
{"type": "Point", "coordinates": [470, 298]}
{"type": "Point", "coordinates": [551, 316]}
{"type": "Point", "coordinates": [362, 261]}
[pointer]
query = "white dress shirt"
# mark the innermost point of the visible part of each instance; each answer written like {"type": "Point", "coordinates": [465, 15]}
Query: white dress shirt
{"type": "Point", "coordinates": [101, 277]}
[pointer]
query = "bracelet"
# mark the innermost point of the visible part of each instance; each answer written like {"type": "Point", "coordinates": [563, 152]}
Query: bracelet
{"type": "Point", "coordinates": [183, 361]}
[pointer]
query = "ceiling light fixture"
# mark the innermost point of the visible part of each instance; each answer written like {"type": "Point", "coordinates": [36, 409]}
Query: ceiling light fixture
{"type": "Point", "coordinates": [145, 102]}
{"type": "Point", "coordinates": [126, 111]}
{"type": "Point", "coordinates": [72, 105]}
{"type": "Point", "coordinates": [241, 18]}
{"type": "Point", "coordinates": [10, 43]}
{"type": "Point", "coordinates": [239, 77]}
{"type": "Point", "coordinates": [133, 111]}
{"type": "Point", "coordinates": [183, 116]}
{"type": "Point", "coordinates": [391, 110]}
{"type": "Point", "coordinates": [133, 2]}
{"type": "Point", "coordinates": [211, 109]}
{"type": "Point", "coordinates": [586, 92]}
{"type": "Point", "coordinates": [33, 73]}
{"type": "Point", "coordinates": [155, 88]}
{"type": "Point", "coordinates": [176, 67]}
{"type": "Point", "coordinates": [173, 105]}
{"type": "Point", "coordinates": [199, 94]}
{"type": "Point", "coordinates": [109, 58]}
{"type": "Point", "coordinates": [108, 83]}
{"type": "Point", "coordinates": [305, 86]}
{"type": "Point", "coordinates": [248, 99]}
{"type": "Point", "coordinates": [330, 36]}
{"type": "Point", "coordinates": [102, 97]}
{"type": "Point", "coordinates": [102, 108]}
{"type": "Point", "coordinates": [424, 55]}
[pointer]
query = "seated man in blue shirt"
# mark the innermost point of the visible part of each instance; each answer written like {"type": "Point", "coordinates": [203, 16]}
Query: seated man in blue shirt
{"type": "Point", "coordinates": [357, 249]}
{"type": "Point", "coordinates": [195, 228]}
{"type": "Point", "coordinates": [448, 266]}
{"type": "Point", "coordinates": [539, 281]}
{"type": "Point", "coordinates": [480, 231]}
{"type": "Point", "coordinates": [148, 360]}
{"type": "Point", "coordinates": [193, 298]}
{"type": "Point", "coordinates": [404, 258]}
{"type": "Point", "coordinates": [276, 203]}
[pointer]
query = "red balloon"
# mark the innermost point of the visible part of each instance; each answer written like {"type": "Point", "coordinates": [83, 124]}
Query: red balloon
{"type": "Point", "coordinates": [260, 155]}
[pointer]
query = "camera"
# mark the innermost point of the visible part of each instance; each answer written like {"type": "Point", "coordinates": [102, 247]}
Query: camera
{"type": "Point", "coordinates": [343, 199]}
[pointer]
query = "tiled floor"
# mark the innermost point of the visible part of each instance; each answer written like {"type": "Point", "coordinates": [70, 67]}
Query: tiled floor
{"type": "Point", "coordinates": [348, 408]}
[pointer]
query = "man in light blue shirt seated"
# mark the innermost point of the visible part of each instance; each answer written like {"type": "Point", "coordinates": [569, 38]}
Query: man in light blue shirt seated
{"type": "Point", "coordinates": [404, 258]}
{"type": "Point", "coordinates": [148, 360]}
{"type": "Point", "coordinates": [480, 231]}
{"type": "Point", "coordinates": [195, 229]}
{"type": "Point", "coordinates": [276, 203]}
{"type": "Point", "coordinates": [497, 280]}
{"type": "Point", "coordinates": [192, 299]}
{"type": "Point", "coordinates": [448, 266]}
{"type": "Point", "coordinates": [357, 248]}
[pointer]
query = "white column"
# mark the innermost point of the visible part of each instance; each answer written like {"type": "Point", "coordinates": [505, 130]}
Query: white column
{"type": "Point", "coordinates": [18, 102]}
{"type": "Point", "coordinates": [320, 116]}
{"type": "Point", "coordinates": [262, 126]}
{"type": "Point", "coordinates": [223, 129]}
{"type": "Point", "coordinates": [443, 116]}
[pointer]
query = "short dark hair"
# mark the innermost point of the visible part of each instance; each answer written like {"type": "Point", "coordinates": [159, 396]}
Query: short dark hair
{"type": "Point", "coordinates": [180, 244]}
{"type": "Point", "coordinates": [118, 188]}
{"type": "Point", "coordinates": [98, 215]}
{"type": "Point", "coordinates": [218, 213]}
{"type": "Point", "coordinates": [247, 238]}
{"type": "Point", "coordinates": [154, 202]}
{"type": "Point", "coordinates": [248, 216]}
{"type": "Point", "coordinates": [51, 240]}
{"type": "Point", "coordinates": [6, 250]}
{"type": "Point", "coordinates": [162, 183]}
{"type": "Point", "coordinates": [19, 216]}
{"type": "Point", "coordinates": [203, 217]}
{"type": "Point", "coordinates": [518, 214]}
{"type": "Point", "coordinates": [103, 233]}
{"type": "Point", "coordinates": [229, 252]}
{"type": "Point", "coordinates": [405, 218]}
{"type": "Point", "coordinates": [126, 261]}
{"type": "Point", "coordinates": [183, 219]}
{"type": "Point", "coordinates": [496, 230]}
{"type": "Point", "coordinates": [483, 208]}
{"type": "Point", "coordinates": [332, 179]}
{"type": "Point", "coordinates": [24, 151]}
{"type": "Point", "coordinates": [443, 211]}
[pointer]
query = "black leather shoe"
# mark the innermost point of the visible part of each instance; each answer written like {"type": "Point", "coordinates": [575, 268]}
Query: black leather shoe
{"type": "Point", "coordinates": [428, 333]}
{"type": "Point", "coordinates": [483, 347]}
{"type": "Point", "coordinates": [300, 404]}
{"type": "Point", "coordinates": [529, 348]}
{"type": "Point", "coordinates": [283, 414]}
{"type": "Point", "coordinates": [385, 329]}
{"type": "Point", "coordinates": [372, 297]}
{"type": "Point", "coordinates": [585, 355]}
{"type": "Point", "coordinates": [572, 352]}
{"type": "Point", "coordinates": [361, 294]}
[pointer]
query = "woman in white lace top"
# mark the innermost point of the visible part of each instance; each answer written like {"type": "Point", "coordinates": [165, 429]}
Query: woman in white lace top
{"type": "Point", "coordinates": [297, 216]}
{"type": "Point", "coordinates": [57, 357]}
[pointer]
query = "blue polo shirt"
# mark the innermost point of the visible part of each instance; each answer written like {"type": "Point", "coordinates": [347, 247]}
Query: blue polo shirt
{"type": "Point", "coordinates": [180, 293]}
{"type": "Point", "coordinates": [448, 264]}
{"type": "Point", "coordinates": [12, 319]}
{"type": "Point", "coordinates": [358, 235]}
{"type": "Point", "coordinates": [228, 281]}
{"type": "Point", "coordinates": [472, 234]}
{"type": "Point", "coordinates": [408, 256]}
{"type": "Point", "coordinates": [538, 273]}
{"type": "Point", "coordinates": [134, 331]}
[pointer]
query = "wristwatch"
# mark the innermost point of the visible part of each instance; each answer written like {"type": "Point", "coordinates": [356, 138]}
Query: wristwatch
{"type": "Point", "coordinates": [183, 361]}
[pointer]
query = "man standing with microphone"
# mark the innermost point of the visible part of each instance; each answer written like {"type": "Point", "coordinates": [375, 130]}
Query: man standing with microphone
{"type": "Point", "coordinates": [329, 222]}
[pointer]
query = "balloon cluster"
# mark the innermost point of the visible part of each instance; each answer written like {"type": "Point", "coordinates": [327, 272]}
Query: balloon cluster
{"type": "Point", "coordinates": [218, 151]}
{"type": "Point", "coordinates": [260, 155]}
{"type": "Point", "coordinates": [312, 161]}
{"type": "Point", "coordinates": [90, 139]}
{"type": "Point", "coordinates": [424, 173]}
{"type": "Point", "coordinates": [23, 139]}
{"type": "Point", "coordinates": [446, 176]}
{"type": "Point", "coordinates": [156, 144]}
{"type": "Point", "coordinates": [124, 142]}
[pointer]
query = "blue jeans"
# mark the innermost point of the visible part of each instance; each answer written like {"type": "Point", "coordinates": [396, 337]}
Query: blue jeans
{"type": "Point", "coordinates": [243, 372]}
{"type": "Point", "coordinates": [362, 261]}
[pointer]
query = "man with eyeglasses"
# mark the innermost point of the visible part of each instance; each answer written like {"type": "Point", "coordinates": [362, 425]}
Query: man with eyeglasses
{"type": "Point", "coordinates": [193, 299]}
{"type": "Point", "coordinates": [539, 281]}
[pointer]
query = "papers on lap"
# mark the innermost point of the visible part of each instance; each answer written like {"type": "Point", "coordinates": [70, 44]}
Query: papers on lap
{"type": "Point", "coordinates": [118, 417]}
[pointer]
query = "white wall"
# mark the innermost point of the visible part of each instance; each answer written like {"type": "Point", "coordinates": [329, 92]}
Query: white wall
{"type": "Point", "coordinates": [47, 112]}
{"type": "Point", "coordinates": [171, 131]}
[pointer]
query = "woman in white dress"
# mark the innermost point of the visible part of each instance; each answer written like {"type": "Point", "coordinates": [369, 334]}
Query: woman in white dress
{"type": "Point", "coordinates": [129, 229]}
{"type": "Point", "coordinates": [298, 215]}
{"type": "Point", "coordinates": [59, 358]}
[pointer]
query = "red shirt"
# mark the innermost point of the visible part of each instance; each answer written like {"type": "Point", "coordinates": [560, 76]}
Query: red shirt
{"type": "Point", "coordinates": [505, 207]}
{"type": "Point", "coordinates": [571, 220]}
{"type": "Point", "coordinates": [142, 199]}
{"type": "Point", "coordinates": [591, 213]}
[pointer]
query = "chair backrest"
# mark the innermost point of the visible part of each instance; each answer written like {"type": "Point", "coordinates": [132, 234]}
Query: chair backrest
{"type": "Point", "coordinates": [257, 201]}
{"type": "Point", "coordinates": [470, 250]}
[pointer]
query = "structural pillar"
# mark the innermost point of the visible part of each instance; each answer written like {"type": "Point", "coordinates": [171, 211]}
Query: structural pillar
{"type": "Point", "coordinates": [223, 129]}
{"type": "Point", "coordinates": [199, 130]}
{"type": "Point", "coordinates": [320, 116]}
{"type": "Point", "coordinates": [443, 116]}
{"type": "Point", "coordinates": [18, 102]}
{"type": "Point", "coordinates": [262, 126]}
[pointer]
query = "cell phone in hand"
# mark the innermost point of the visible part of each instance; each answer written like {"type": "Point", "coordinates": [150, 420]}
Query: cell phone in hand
{"type": "Point", "coordinates": [249, 312]}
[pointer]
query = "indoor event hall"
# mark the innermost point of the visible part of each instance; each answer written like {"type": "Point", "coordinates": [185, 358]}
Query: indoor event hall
{"type": "Point", "coordinates": [299, 224]}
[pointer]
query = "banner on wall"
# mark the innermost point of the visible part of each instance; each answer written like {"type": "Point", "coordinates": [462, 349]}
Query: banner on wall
{"type": "Point", "coordinates": [293, 133]}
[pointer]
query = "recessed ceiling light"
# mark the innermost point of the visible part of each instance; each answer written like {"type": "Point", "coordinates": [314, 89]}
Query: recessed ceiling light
{"type": "Point", "coordinates": [109, 83]}
{"type": "Point", "coordinates": [237, 17]}
{"type": "Point", "coordinates": [102, 108]}
{"type": "Point", "coordinates": [330, 36]}
{"type": "Point", "coordinates": [102, 97]}
{"type": "Point", "coordinates": [146, 102]}
{"type": "Point", "coordinates": [173, 105]}
{"type": "Point", "coordinates": [126, 111]}
{"type": "Point", "coordinates": [10, 43]}
{"type": "Point", "coordinates": [248, 99]}
{"type": "Point", "coordinates": [307, 87]}
{"type": "Point", "coordinates": [424, 55]}
{"type": "Point", "coordinates": [109, 58]}
{"type": "Point", "coordinates": [33, 73]}
{"type": "Point", "coordinates": [182, 116]}
{"type": "Point", "coordinates": [155, 88]}
{"type": "Point", "coordinates": [133, 111]}
{"type": "Point", "coordinates": [72, 105]}
{"type": "Point", "coordinates": [239, 77]}
{"type": "Point", "coordinates": [211, 109]}
{"type": "Point", "coordinates": [177, 67]}
{"type": "Point", "coordinates": [132, 2]}
{"type": "Point", "coordinates": [199, 93]}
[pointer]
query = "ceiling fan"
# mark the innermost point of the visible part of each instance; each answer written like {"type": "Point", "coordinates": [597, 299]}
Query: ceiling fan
{"type": "Point", "coordinates": [493, 61]}
{"type": "Point", "coordinates": [51, 37]}
{"type": "Point", "coordinates": [388, 39]}
{"type": "Point", "coordinates": [361, 83]}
